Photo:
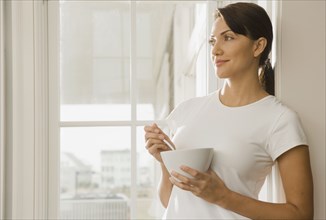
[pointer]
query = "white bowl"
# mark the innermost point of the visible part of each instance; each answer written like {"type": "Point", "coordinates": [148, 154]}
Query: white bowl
{"type": "Point", "coordinates": [196, 158]}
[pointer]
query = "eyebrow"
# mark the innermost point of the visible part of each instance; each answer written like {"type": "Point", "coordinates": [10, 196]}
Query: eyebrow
{"type": "Point", "coordinates": [222, 33]}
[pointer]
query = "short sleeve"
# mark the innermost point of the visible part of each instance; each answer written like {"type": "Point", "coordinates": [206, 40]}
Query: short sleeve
{"type": "Point", "coordinates": [286, 134]}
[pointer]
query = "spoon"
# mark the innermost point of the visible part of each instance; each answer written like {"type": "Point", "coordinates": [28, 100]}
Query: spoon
{"type": "Point", "coordinates": [169, 145]}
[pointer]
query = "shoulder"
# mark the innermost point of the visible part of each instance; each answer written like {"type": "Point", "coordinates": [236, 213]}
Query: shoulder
{"type": "Point", "coordinates": [286, 131]}
{"type": "Point", "coordinates": [284, 111]}
{"type": "Point", "coordinates": [280, 110]}
{"type": "Point", "coordinates": [278, 115]}
{"type": "Point", "coordinates": [286, 122]}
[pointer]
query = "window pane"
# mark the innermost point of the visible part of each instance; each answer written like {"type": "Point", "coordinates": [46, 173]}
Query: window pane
{"type": "Point", "coordinates": [171, 55]}
{"type": "Point", "coordinates": [95, 173]}
{"type": "Point", "coordinates": [95, 86]}
{"type": "Point", "coordinates": [94, 60]}
{"type": "Point", "coordinates": [148, 175]}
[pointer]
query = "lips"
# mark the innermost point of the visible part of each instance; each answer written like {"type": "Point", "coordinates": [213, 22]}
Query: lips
{"type": "Point", "coordinates": [219, 63]}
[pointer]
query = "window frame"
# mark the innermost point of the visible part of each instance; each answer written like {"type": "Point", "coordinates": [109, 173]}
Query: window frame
{"type": "Point", "coordinates": [30, 104]}
{"type": "Point", "coordinates": [2, 107]}
{"type": "Point", "coordinates": [54, 103]}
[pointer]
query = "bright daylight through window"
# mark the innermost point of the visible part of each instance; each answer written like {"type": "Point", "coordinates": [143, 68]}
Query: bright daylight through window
{"type": "Point", "coordinates": [123, 64]}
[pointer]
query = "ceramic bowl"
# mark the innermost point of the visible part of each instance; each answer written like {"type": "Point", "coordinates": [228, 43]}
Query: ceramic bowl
{"type": "Point", "coordinates": [196, 158]}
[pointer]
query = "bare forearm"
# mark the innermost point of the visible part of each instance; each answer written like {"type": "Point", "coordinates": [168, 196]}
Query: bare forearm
{"type": "Point", "coordinates": [255, 209]}
{"type": "Point", "coordinates": [165, 187]}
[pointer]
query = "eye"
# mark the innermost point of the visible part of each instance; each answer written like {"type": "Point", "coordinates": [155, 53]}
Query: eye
{"type": "Point", "coordinates": [228, 37]}
{"type": "Point", "coordinates": [211, 42]}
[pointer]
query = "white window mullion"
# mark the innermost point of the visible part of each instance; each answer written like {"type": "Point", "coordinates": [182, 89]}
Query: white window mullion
{"type": "Point", "coordinates": [54, 109]}
{"type": "Point", "coordinates": [212, 81]}
{"type": "Point", "coordinates": [106, 123]}
{"type": "Point", "coordinates": [41, 110]}
{"type": "Point", "coordinates": [133, 98]}
{"type": "Point", "coordinates": [274, 191]}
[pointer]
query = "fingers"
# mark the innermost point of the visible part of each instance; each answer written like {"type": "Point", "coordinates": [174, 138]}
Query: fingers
{"type": "Point", "coordinates": [153, 131]}
{"type": "Point", "coordinates": [154, 140]}
{"type": "Point", "coordinates": [180, 184]}
{"type": "Point", "coordinates": [195, 173]}
{"type": "Point", "coordinates": [157, 144]}
{"type": "Point", "coordinates": [192, 185]}
{"type": "Point", "coordinates": [182, 178]}
{"type": "Point", "coordinates": [154, 137]}
{"type": "Point", "coordinates": [153, 128]}
{"type": "Point", "coordinates": [205, 185]}
{"type": "Point", "coordinates": [196, 181]}
{"type": "Point", "coordinates": [156, 148]}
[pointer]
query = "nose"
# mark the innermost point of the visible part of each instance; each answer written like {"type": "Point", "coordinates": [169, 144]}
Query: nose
{"type": "Point", "coordinates": [216, 49]}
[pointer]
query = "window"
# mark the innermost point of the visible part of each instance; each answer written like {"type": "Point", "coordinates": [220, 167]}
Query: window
{"type": "Point", "coordinates": [34, 59]}
{"type": "Point", "coordinates": [122, 64]}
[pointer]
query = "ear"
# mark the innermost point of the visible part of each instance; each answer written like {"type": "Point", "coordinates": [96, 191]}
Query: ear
{"type": "Point", "coordinates": [259, 46]}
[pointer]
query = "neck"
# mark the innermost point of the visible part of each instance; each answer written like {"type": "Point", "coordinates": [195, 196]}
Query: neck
{"type": "Point", "coordinates": [241, 92]}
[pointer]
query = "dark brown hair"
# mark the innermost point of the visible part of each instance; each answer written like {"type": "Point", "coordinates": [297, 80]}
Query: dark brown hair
{"type": "Point", "coordinates": [252, 21]}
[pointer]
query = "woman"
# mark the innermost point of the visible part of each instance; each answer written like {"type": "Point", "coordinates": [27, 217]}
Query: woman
{"type": "Point", "coordinates": [248, 127]}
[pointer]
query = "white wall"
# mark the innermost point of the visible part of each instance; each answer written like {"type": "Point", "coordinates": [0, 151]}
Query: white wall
{"type": "Point", "coordinates": [19, 110]}
{"type": "Point", "coordinates": [2, 107]}
{"type": "Point", "coordinates": [301, 80]}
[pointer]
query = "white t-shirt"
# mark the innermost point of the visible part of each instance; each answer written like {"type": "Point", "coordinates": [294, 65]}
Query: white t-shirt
{"type": "Point", "coordinates": [247, 141]}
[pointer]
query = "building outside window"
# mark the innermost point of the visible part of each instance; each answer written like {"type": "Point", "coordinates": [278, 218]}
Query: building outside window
{"type": "Point", "coordinates": [123, 64]}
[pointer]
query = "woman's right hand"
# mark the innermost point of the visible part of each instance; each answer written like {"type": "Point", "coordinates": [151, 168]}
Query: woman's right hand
{"type": "Point", "coordinates": [154, 137]}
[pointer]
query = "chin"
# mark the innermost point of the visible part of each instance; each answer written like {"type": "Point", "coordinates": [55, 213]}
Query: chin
{"type": "Point", "coordinates": [221, 75]}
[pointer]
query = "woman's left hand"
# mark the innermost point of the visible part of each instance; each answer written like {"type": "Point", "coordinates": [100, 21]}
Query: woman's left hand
{"type": "Point", "coordinates": [207, 186]}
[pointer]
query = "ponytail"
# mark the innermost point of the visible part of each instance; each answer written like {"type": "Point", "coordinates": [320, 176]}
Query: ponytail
{"type": "Point", "coordinates": [266, 77]}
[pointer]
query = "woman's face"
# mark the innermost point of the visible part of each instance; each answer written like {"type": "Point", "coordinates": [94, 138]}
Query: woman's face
{"type": "Point", "coordinates": [232, 54]}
